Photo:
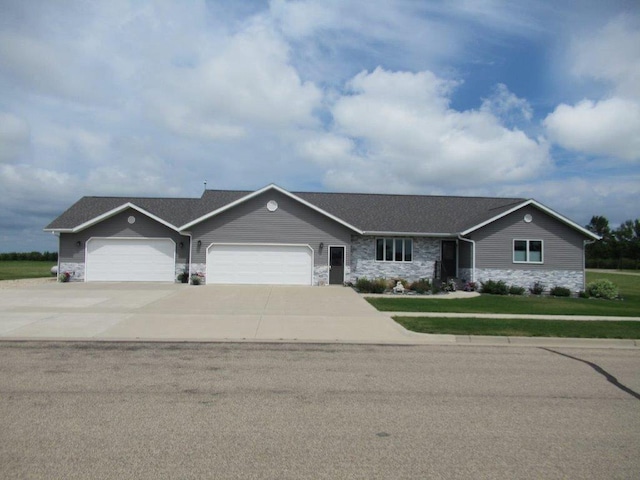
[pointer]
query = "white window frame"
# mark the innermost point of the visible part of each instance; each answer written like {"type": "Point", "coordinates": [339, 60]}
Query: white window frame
{"type": "Point", "coordinates": [393, 252]}
{"type": "Point", "coordinates": [527, 251]}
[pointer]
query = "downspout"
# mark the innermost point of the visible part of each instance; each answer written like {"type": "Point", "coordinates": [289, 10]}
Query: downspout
{"type": "Point", "coordinates": [473, 256]}
{"type": "Point", "coordinates": [188, 234]}
{"type": "Point", "coordinates": [58, 271]}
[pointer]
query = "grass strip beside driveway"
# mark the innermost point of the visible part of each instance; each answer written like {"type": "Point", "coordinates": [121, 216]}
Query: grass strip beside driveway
{"type": "Point", "coordinates": [511, 304]}
{"type": "Point", "coordinates": [17, 269]}
{"type": "Point", "coordinates": [522, 327]}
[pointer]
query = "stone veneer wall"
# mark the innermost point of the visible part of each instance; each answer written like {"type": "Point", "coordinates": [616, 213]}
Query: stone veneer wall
{"type": "Point", "coordinates": [75, 269]}
{"type": "Point", "coordinates": [464, 274]}
{"type": "Point", "coordinates": [201, 269]}
{"type": "Point", "coordinates": [363, 260]}
{"type": "Point", "coordinates": [572, 279]}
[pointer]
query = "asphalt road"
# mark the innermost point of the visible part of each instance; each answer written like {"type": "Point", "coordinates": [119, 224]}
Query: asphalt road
{"type": "Point", "coordinates": [154, 411]}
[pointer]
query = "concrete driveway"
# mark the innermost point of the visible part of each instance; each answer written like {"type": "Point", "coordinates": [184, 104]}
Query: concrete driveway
{"type": "Point", "coordinates": [146, 311]}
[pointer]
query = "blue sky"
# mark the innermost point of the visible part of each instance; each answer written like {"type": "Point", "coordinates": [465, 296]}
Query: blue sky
{"type": "Point", "coordinates": [499, 98]}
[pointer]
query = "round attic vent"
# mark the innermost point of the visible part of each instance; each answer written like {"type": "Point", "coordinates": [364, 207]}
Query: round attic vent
{"type": "Point", "coordinates": [272, 205]}
{"type": "Point", "coordinates": [528, 218]}
{"type": "Point", "coordinates": [131, 219]}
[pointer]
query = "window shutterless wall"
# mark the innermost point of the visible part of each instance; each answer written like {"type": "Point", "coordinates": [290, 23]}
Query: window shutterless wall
{"type": "Point", "coordinates": [562, 245]}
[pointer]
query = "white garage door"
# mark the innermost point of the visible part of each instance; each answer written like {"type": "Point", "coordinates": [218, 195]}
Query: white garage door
{"type": "Point", "coordinates": [259, 264]}
{"type": "Point", "coordinates": [130, 260]}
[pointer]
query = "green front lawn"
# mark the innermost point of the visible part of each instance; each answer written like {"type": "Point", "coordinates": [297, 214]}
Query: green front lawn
{"type": "Point", "coordinates": [629, 286]}
{"type": "Point", "coordinates": [522, 327]}
{"type": "Point", "coordinates": [13, 270]}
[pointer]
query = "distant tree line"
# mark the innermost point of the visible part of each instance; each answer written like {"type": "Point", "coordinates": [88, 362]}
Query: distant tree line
{"type": "Point", "coordinates": [31, 256]}
{"type": "Point", "coordinates": [618, 249]}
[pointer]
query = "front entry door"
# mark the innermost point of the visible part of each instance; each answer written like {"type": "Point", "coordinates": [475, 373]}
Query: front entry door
{"type": "Point", "coordinates": [336, 265]}
{"type": "Point", "coordinates": [449, 260]}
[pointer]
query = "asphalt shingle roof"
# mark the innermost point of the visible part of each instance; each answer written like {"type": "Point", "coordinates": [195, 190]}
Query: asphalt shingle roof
{"type": "Point", "coordinates": [367, 212]}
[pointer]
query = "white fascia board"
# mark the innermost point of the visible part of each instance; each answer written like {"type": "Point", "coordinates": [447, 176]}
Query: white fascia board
{"type": "Point", "coordinates": [408, 234]}
{"type": "Point", "coordinates": [261, 191]}
{"type": "Point", "coordinates": [113, 212]}
{"type": "Point", "coordinates": [540, 206]}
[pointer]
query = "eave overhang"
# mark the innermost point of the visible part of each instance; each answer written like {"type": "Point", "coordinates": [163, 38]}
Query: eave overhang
{"type": "Point", "coordinates": [109, 214]}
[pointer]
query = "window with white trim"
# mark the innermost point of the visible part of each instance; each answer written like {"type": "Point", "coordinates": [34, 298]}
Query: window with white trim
{"type": "Point", "coordinates": [527, 251]}
{"type": "Point", "coordinates": [391, 249]}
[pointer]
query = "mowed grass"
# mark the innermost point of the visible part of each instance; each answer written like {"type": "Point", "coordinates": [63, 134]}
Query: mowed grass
{"type": "Point", "coordinates": [629, 306]}
{"type": "Point", "coordinates": [14, 270]}
{"type": "Point", "coordinates": [522, 327]}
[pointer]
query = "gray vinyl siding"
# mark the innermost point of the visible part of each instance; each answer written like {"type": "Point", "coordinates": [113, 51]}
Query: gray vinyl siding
{"type": "Point", "coordinates": [562, 245]}
{"type": "Point", "coordinates": [118, 226]}
{"type": "Point", "coordinates": [291, 223]}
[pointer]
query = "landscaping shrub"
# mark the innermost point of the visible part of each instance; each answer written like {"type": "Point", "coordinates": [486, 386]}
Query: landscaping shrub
{"type": "Point", "coordinates": [537, 289]}
{"type": "Point", "coordinates": [364, 285]}
{"type": "Point", "coordinates": [422, 285]}
{"type": "Point", "coordinates": [602, 288]}
{"type": "Point", "coordinates": [495, 288]}
{"type": "Point", "coordinates": [516, 290]}
{"type": "Point", "coordinates": [379, 285]}
{"type": "Point", "coordinates": [560, 292]}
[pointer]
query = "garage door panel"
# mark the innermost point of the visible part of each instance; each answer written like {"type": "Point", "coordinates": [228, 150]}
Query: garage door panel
{"type": "Point", "coordinates": [259, 264]}
{"type": "Point", "coordinates": [111, 259]}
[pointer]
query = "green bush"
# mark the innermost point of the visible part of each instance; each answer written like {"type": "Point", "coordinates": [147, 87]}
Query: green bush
{"type": "Point", "coordinates": [516, 290]}
{"type": "Point", "coordinates": [602, 288]}
{"type": "Point", "coordinates": [560, 292]}
{"type": "Point", "coordinates": [422, 285]}
{"type": "Point", "coordinates": [377, 285]}
{"type": "Point", "coordinates": [495, 288]}
{"type": "Point", "coordinates": [537, 289]}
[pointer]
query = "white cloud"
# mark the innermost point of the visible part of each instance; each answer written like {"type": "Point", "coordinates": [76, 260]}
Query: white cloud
{"type": "Point", "coordinates": [507, 106]}
{"type": "Point", "coordinates": [609, 127]}
{"type": "Point", "coordinates": [399, 133]}
{"type": "Point", "coordinates": [612, 54]}
{"type": "Point", "coordinates": [247, 82]}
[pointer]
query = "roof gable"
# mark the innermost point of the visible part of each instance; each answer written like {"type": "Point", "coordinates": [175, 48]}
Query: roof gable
{"type": "Point", "coordinates": [248, 196]}
{"type": "Point", "coordinates": [541, 207]}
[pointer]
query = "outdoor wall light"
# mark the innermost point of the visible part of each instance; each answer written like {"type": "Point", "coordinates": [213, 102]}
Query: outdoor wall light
{"type": "Point", "coordinates": [321, 245]}
{"type": "Point", "coordinates": [181, 244]}
{"type": "Point", "coordinates": [78, 243]}
{"type": "Point", "coordinates": [199, 243]}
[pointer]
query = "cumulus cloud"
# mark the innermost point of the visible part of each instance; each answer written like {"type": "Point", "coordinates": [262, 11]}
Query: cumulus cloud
{"type": "Point", "coordinates": [248, 83]}
{"type": "Point", "coordinates": [397, 131]}
{"type": "Point", "coordinates": [609, 126]}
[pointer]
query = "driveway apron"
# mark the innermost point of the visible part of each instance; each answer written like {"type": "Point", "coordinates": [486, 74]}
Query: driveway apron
{"type": "Point", "coordinates": [147, 311]}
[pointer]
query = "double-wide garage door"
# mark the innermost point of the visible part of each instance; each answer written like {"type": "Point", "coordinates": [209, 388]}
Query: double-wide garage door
{"type": "Point", "coordinates": [259, 264]}
{"type": "Point", "coordinates": [130, 260]}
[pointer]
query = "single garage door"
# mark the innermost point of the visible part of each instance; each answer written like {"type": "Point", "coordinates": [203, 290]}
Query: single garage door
{"type": "Point", "coordinates": [130, 260]}
{"type": "Point", "coordinates": [259, 264]}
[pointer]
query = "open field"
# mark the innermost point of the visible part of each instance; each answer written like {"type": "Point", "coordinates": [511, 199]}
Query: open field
{"type": "Point", "coordinates": [16, 269]}
{"type": "Point", "coordinates": [629, 306]}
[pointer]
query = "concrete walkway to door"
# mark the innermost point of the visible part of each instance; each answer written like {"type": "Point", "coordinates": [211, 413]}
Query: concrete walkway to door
{"type": "Point", "coordinates": [173, 312]}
